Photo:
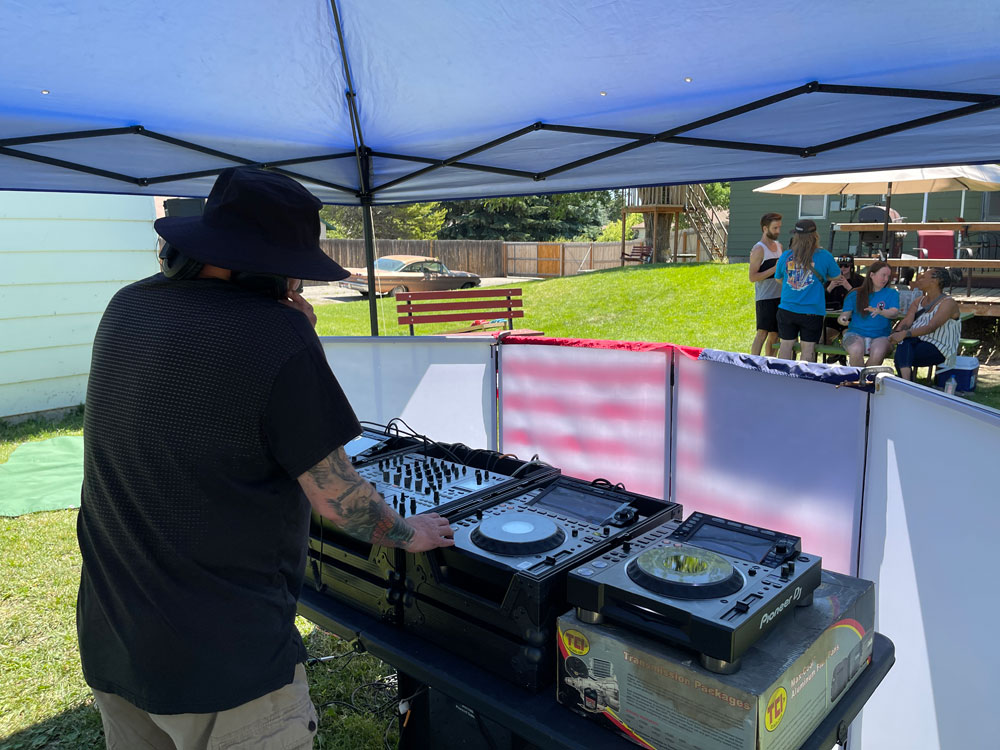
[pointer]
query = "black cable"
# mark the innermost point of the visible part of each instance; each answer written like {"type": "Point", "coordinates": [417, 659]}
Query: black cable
{"type": "Point", "coordinates": [482, 730]}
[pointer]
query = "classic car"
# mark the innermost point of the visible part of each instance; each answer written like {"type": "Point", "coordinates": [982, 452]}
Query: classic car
{"type": "Point", "coordinates": [409, 273]}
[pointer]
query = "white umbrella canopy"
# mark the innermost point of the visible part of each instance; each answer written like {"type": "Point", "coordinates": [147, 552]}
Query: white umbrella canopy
{"type": "Point", "coordinates": [984, 177]}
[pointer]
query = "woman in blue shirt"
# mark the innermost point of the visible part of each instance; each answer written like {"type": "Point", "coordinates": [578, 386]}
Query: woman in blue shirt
{"type": "Point", "coordinates": [870, 310]}
{"type": "Point", "coordinates": [804, 270]}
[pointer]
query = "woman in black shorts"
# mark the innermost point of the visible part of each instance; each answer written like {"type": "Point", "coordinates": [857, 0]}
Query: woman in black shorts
{"type": "Point", "coordinates": [804, 270]}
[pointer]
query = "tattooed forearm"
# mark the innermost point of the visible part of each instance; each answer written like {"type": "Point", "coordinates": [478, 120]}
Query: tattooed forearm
{"type": "Point", "coordinates": [339, 493]}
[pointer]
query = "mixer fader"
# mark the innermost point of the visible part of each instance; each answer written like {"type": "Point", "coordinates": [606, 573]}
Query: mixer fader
{"type": "Point", "coordinates": [414, 483]}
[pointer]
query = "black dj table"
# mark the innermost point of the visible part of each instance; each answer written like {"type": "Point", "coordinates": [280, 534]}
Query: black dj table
{"type": "Point", "coordinates": [537, 719]}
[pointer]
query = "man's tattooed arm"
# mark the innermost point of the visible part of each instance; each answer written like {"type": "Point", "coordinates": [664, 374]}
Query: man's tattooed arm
{"type": "Point", "coordinates": [337, 492]}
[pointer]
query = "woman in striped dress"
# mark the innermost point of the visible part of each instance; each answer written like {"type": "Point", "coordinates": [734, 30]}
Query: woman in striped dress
{"type": "Point", "coordinates": [929, 333]}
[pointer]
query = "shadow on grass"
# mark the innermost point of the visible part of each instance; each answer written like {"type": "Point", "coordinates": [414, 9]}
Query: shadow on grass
{"type": "Point", "coordinates": [76, 729]}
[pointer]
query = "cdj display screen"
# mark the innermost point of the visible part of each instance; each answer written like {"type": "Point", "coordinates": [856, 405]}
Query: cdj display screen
{"type": "Point", "coordinates": [582, 505]}
{"type": "Point", "coordinates": [359, 445]}
{"type": "Point", "coordinates": [731, 542]}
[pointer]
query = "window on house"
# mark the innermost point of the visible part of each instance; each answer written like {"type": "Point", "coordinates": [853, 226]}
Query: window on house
{"type": "Point", "coordinates": [812, 206]}
{"type": "Point", "coordinates": [991, 206]}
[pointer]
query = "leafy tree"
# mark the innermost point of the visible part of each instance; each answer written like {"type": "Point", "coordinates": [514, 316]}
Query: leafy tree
{"type": "Point", "coordinates": [718, 194]}
{"type": "Point", "coordinates": [412, 221]}
{"type": "Point", "coordinates": [613, 231]}
{"type": "Point", "coordinates": [529, 217]}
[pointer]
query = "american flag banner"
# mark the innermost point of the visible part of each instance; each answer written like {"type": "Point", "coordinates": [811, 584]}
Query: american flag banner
{"type": "Point", "coordinates": [591, 408]}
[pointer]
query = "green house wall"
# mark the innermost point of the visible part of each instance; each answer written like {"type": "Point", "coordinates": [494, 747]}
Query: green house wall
{"type": "Point", "coordinates": [746, 207]}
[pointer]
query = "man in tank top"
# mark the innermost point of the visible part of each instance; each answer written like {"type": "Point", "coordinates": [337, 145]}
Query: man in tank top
{"type": "Point", "coordinates": [767, 289]}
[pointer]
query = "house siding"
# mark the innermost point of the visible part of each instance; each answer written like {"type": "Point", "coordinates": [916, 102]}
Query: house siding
{"type": "Point", "coordinates": [746, 207]}
{"type": "Point", "coordinates": [62, 257]}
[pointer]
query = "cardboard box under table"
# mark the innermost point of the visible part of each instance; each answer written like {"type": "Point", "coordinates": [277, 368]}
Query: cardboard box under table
{"type": "Point", "coordinates": [660, 697]}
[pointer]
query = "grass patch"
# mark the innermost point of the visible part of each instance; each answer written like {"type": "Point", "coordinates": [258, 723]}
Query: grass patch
{"type": "Point", "coordinates": [705, 304]}
{"type": "Point", "coordinates": [44, 701]}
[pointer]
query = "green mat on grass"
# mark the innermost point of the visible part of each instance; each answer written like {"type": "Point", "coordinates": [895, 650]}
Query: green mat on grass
{"type": "Point", "coordinates": [44, 475]}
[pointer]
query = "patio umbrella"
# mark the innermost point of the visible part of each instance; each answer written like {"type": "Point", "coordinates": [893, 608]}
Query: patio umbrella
{"type": "Point", "coordinates": [983, 177]}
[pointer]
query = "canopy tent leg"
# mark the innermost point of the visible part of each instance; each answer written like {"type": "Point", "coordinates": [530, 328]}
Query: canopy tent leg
{"type": "Point", "coordinates": [884, 253]}
{"type": "Point", "coordinates": [369, 230]}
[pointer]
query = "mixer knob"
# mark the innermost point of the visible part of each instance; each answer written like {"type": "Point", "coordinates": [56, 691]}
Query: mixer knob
{"type": "Point", "coordinates": [479, 477]}
{"type": "Point", "coordinates": [397, 478]}
{"type": "Point", "coordinates": [413, 505]}
{"type": "Point", "coordinates": [437, 497]}
{"type": "Point", "coordinates": [607, 531]}
{"type": "Point", "coordinates": [407, 482]}
{"type": "Point", "coordinates": [575, 533]}
{"type": "Point", "coordinates": [479, 515]}
{"type": "Point", "coordinates": [385, 476]}
{"type": "Point", "coordinates": [402, 510]}
{"type": "Point", "coordinates": [418, 485]}
{"type": "Point", "coordinates": [627, 547]}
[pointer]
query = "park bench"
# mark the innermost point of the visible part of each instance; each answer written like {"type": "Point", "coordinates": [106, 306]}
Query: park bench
{"type": "Point", "coordinates": [638, 254]}
{"type": "Point", "coordinates": [482, 309]}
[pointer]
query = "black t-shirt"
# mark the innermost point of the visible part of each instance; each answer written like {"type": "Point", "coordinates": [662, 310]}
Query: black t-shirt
{"type": "Point", "coordinates": [835, 298]}
{"type": "Point", "coordinates": [205, 403]}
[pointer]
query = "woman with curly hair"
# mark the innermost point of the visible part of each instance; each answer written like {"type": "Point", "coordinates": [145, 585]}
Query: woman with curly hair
{"type": "Point", "coordinates": [929, 333]}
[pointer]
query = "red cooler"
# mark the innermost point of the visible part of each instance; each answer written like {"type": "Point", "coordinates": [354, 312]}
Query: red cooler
{"type": "Point", "coordinates": [939, 243]}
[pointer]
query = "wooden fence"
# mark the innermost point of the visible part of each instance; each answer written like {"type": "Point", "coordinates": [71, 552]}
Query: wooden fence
{"type": "Point", "coordinates": [482, 257]}
{"type": "Point", "coordinates": [497, 258]}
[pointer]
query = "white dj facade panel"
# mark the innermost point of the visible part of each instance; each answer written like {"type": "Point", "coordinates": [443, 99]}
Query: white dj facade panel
{"type": "Point", "coordinates": [929, 539]}
{"type": "Point", "coordinates": [442, 387]}
{"type": "Point", "coordinates": [594, 413]}
{"type": "Point", "coordinates": [775, 451]}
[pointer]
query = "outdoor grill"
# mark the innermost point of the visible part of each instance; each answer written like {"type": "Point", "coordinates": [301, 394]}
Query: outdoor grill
{"type": "Point", "coordinates": [873, 214]}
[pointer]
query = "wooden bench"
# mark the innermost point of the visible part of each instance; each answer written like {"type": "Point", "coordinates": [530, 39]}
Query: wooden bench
{"type": "Point", "coordinates": [487, 309]}
{"type": "Point", "coordinates": [638, 254]}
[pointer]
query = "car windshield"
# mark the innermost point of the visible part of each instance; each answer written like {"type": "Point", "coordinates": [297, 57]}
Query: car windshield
{"type": "Point", "coordinates": [388, 264]}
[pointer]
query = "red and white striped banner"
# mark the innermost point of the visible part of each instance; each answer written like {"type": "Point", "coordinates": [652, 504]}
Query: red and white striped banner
{"type": "Point", "coordinates": [592, 412]}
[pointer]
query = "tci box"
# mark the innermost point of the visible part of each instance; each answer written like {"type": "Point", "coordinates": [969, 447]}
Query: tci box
{"type": "Point", "coordinates": [660, 697]}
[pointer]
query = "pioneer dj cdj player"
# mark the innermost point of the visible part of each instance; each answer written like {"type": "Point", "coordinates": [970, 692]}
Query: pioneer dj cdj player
{"type": "Point", "coordinates": [710, 584]}
{"type": "Point", "coordinates": [494, 597]}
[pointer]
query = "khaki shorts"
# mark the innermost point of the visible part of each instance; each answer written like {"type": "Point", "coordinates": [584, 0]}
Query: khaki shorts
{"type": "Point", "coordinates": [281, 720]}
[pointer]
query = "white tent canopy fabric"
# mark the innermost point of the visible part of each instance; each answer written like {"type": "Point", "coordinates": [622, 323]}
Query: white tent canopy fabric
{"type": "Point", "coordinates": [156, 98]}
{"type": "Point", "coordinates": [984, 177]}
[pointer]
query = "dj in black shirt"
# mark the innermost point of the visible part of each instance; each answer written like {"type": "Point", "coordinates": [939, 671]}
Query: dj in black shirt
{"type": "Point", "coordinates": [213, 424]}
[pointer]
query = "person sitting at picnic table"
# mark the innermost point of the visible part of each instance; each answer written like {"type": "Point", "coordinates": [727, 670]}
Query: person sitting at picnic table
{"type": "Point", "coordinates": [929, 333]}
{"type": "Point", "coordinates": [837, 291]}
{"type": "Point", "coordinates": [804, 269]}
{"type": "Point", "coordinates": [868, 314]}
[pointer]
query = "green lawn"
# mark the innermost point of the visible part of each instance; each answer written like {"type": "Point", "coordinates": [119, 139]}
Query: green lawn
{"type": "Point", "coordinates": [44, 702]}
{"type": "Point", "coordinates": [704, 304]}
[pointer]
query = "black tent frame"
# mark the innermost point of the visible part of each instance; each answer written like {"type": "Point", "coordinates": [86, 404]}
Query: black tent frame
{"type": "Point", "coordinates": [363, 155]}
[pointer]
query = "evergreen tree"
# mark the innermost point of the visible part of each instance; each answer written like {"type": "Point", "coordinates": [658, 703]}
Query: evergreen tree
{"type": "Point", "coordinates": [411, 221]}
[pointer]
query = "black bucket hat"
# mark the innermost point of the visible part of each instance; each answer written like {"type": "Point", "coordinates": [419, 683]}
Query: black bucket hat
{"type": "Point", "coordinates": [257, 221]}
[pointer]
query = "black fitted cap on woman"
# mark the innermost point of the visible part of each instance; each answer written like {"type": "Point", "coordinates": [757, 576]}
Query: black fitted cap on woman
{"type": "Point", "coordinates": [255, 220]}
{"type": "Point", "coordinates": [804, 226]}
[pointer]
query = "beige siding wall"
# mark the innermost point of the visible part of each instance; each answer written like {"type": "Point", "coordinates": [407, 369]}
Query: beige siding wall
{"type": "Point", "coordinates": [62, 257]}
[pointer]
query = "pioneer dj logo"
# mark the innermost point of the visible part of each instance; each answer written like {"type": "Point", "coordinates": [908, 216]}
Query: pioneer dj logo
{"type": "Point", "coordinates": [775, 709]}
{"type": "Point", "coordinates": [768, 616]}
